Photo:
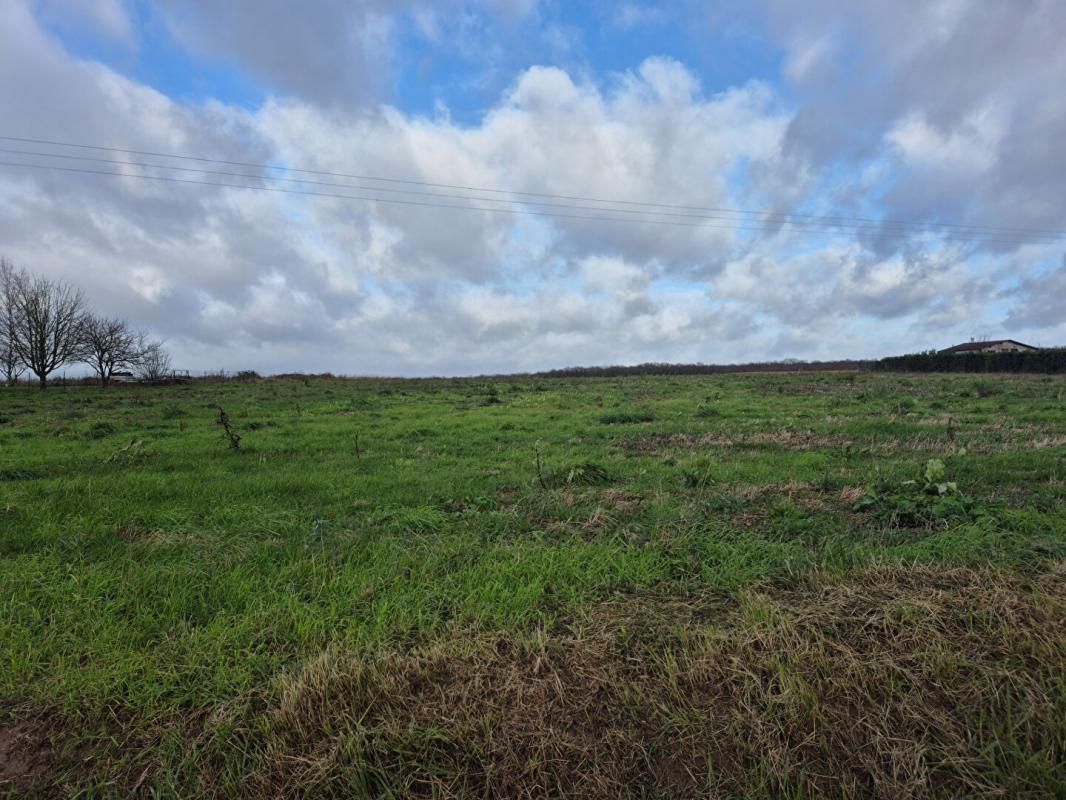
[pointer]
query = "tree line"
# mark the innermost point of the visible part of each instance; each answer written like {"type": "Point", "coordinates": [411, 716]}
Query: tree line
{"type": "Point", "coordinates": [788, 365]}
{"type": "Point", "coordinates": [1047, 361]}
{"type": "Point", "coordinates": [46, 324]}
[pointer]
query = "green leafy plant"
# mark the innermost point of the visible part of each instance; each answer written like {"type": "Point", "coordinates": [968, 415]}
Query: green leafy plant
{"type": "Point", "coordinates": [925, 500]}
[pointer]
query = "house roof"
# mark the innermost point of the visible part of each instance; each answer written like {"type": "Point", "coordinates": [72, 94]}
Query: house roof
{"type": "Point", "coordinates": [970, 346]}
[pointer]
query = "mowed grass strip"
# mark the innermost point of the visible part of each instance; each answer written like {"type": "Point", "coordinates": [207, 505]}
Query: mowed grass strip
{"type": "Point", "coordinates": [163, 591]}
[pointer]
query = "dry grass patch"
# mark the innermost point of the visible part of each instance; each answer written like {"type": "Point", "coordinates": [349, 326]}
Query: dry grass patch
{"type": "Point", "coordinates": [892, 683]}
{"type": "Point", "coordinates": [849, 495]}
{"type": "Point", "coordinates": [785, 438]}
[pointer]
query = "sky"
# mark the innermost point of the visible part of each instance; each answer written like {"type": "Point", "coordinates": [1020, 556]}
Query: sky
{"type": "Point", "coordinates": [714, 182]}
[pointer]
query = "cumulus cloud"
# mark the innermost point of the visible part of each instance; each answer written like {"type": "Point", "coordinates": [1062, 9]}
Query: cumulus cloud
{"type": "Point", "coordinates": [951, 89]}
{"type": "Point", "coordinates": [245, 279]}
{"type": "Point", "coordinates": [243, 275]}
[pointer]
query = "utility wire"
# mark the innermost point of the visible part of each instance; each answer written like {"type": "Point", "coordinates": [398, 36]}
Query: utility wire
{"type": "Point", "coordinates": [512, 211]}
{"type": "Point", "coordinates": [281, 190]}
{"type": "Point", "coordinates": [770, 216]}
{"type": "Point", "coordinates": [770, 219]}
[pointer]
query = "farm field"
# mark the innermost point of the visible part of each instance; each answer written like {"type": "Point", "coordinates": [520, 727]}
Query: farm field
{"type": "Point", "coordinates": [823, 584]}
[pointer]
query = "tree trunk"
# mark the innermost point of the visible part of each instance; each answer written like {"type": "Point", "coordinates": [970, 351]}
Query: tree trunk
{"type": "Point", "coordinates": [43, 379]}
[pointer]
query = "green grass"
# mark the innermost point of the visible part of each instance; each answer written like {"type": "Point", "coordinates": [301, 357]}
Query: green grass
{"type": "Point", "coordinates": [159, 583]}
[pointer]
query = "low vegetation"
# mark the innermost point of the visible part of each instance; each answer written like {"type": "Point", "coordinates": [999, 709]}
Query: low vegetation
{"type": "Point", "coordinates": [759, 585]}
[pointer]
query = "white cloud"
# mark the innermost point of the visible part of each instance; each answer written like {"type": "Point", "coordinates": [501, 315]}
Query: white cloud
{"type": "Point", "coordinates": [278, 282]}
{"type": "Point", "coordinates": [969, 148]}
{"type": "Point", "coordinates": [965, 93]}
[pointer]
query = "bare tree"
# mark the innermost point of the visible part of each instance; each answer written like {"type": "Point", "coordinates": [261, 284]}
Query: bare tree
{"type": "Point", "coordinates": [153, 365]}
{"type": "Point", "coordinates": [11, 367]}
{"type": "Point", "coordinates": [109, 345]}
{"type": "Point", "coordinates": [47, 329]}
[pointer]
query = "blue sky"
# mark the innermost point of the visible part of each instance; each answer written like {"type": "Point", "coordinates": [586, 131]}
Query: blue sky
{"type": "Point", "coordinates": [924, 129]}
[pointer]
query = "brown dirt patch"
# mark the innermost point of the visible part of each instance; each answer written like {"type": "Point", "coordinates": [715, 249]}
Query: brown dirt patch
{"type": "Point", "coordinates": [24, 754]}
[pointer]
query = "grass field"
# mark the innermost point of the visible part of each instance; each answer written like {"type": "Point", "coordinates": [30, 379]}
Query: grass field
{"type": "Point", "coordinates": [729, 586]}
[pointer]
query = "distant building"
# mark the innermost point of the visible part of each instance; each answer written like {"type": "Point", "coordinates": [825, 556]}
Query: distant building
{"type": "Point", "coordinates": [992, 346]}
{"type": "Point", "coordinates": [123, 376]}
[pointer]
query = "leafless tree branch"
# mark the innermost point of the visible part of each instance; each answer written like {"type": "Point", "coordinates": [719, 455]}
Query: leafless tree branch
{"type": "Point", "coordinates": [110, 345]}
{"type": "Point", "coordinates": [154, 363]}
{"type": "Point", "coordinates": [47, 330]}
{"type": "Point", "coordinates": [11, 368]}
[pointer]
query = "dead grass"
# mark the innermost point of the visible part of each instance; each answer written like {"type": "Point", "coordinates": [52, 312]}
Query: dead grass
{"type": "Point", "coordinates": [785, 438]}
{"type": "Point", "coordinates": [849, 495]}
{"type": "Point", "coordinates": [897, 683]}
{"type": "Point", "coordinates": [894, 682]}
{"type": "Point", "coordinates": [992, 438]}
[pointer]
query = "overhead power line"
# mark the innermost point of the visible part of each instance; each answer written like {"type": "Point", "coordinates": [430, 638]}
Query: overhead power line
{"type": "Point", "coordinates": [508, 210]}
{"type": "Point", "coordinates": [580, 198]}
{"type": "Point", "coordinates": [809, 224]}
{"type": "Point", "coordinates": [281, 190]}
{"type": "Point", "coordinates": [770, 219]}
